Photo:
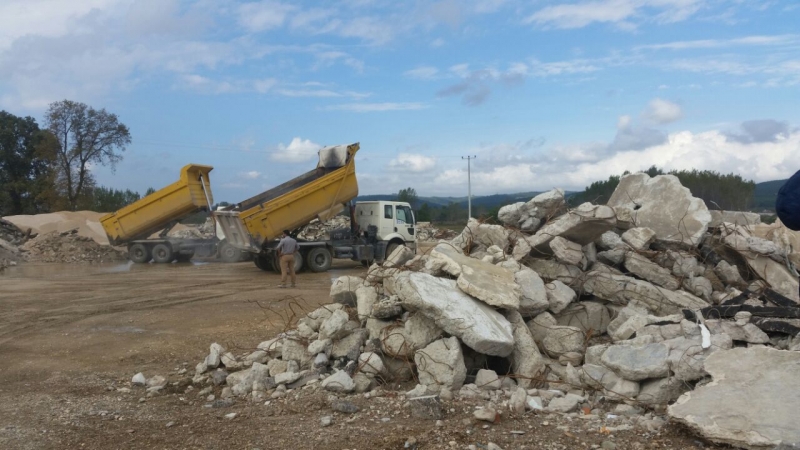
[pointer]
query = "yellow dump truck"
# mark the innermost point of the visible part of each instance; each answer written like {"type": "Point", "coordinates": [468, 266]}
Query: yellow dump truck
{"type": "Point", "coordinates": [158, 212]}
{"type": "Point", "coordinates": [376, 228]}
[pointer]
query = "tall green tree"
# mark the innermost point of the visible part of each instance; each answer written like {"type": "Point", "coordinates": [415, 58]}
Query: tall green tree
{"type": "Point", "coordinates": [86, 137]}
{"type": "Point", "coordinates": [26, 154]}
{"type": "Point", "coordinates": [104, 199]}
{"type": "Point", "coordinates": [424, 213]}
{"type": "Point", "coordinates": [408, 195]}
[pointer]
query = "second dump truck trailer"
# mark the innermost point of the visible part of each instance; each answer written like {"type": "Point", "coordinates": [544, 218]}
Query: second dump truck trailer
{"type": "Point", "coordinates": [376, 228]}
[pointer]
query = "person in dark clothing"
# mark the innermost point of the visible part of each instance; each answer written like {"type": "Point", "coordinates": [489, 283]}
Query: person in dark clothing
{"type": "Point", "coordinates": [787, 205]}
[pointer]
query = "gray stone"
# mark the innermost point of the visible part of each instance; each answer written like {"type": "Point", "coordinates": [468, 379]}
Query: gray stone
{"type": "Point", "coordinates": [526, 360]}
{"type": "Point", "coordinates": [650, 271]}
{"type": "Point", "coordinates": [594, 353]}
{"type": "Point", "coordinates": [339, 382]}
{"type": "Point", "coordinates": [344, 406]}
{"type": "Point", "coordinates": [609, 240]}
{"type": "Point", "coordinates": [241, 383]}
{"type": "Point", "coordinates": [639, 238]}
{"type": "Point", "coordinates": [733, 217]}
{"type": "Point", "coordinates": [559, 296]}
{"type": "Point", "coordinates": [417, 332]}
{"type": "Point", "coordinates": [662, 391]}
{"type": "Point", "coordinates": [334, 326]}
{"type": "Point", "coordinates": [287, 377]}
{"type": "Point", "coordinates": [398, 369]}
{"type": "Point", "coordinates": [752, 402]}
{"type": "Point", "coordinates": [366, 297]}
{"type": "Point", "coordinates": [581, 225]}
{"type": "Point", "coordinates": [350, 346]}
{"type": "Point", "coordinates": [699, 286]}
{"type": "Point", "coordinates": [552, 270]}
{"type": "Point", "coordinates": [326, 421]}
{"type": "Point", "coordinates": [387, 308]}
{"type": "Point", "coordinates": [363, 383]}
{"type": "Point", "coordinates": [684, 265]}
{"type": "Point", "coordinates": [214, 357]}
{"type": "Point", "coordinates": [613, 257]}
{"type": "Point", "coordinates": [533, 403]}
{"type": "Point", "coordinates": [441, 363]}
{"type": "Point", "coordinates": [746, 332]}
{"type": "Point", "coordinates": [343, 290]}
{"type": "Point", "coordinates": [687, 356]}
{"type": "Point", "coordinates": [375, 326]}
{"type": "Point", "coordinates": [371, 364]}
{"type": "Point", "coordinates": [568, 252]}
{"type": "Point", "coordinates": [295, 351]}
{"type": "Point", "coordinates": [591, 317]}
{"type": "Point", "coordinates": [321, 360]}
{"type": "Point", "coordinates": [481, 234]}
{"type": "Point", "coordinates": [634, 362]}
{"type": "Point", "coordinates": [320, 346]}
{"type": "Point", "coordinates": [663, 205]}
{"type": "Point", "coordinates": [556, 340]}
{"type": "Point", "coordinates": [427, 407]}
{"type": "Point", "coordinates": [633, 318]}
{"type": "Point", "coordinates": [218, 377]}
{"type": "Point", "coordinates": [486, 414]}
{"type": "Point", "coordinates": [728, 273]}
{"type": "Point", "coordinates": [475, 323]}
{"type": "Point", "coordinates": [273, 347]}
{"type": "Point", "coordinates": [399, 257]}
{"type": "Point", "coordinates": [259, 356]}
{"type": "Point", "coordinates": [565, 404]}
{"type": "Point", "coordinates": [487, 380]}
{"type": "Point", "coordinates": [533, 299]}
{"type": "Point", "coordinates": [510, 214]}
{"type": "Point", "coordinates": [139, 379]}
{"type": "Point", "coordinates": [156, 381]}
{"type": "Point", "coordinates": [518, 400]}
{"type": "Point", "coordinates": [612, 385]}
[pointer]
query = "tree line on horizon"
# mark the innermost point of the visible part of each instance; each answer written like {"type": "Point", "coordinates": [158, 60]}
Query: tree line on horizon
{"type": "Point", "coordinates": [48, 168]}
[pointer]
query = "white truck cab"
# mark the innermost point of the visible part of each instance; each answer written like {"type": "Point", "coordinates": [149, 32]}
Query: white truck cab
{"type": "Point", "coordinates": [394, 221]}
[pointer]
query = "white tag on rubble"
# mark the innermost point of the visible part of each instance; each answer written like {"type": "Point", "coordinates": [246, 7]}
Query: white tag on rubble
{"type": "Point", "coordinates": [706, 336]}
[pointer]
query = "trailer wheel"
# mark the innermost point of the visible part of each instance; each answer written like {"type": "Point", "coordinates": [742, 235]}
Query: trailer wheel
{"type": "Point", "coordinates": [229, 253]}
{"type": "Point", "coordinates": [298, 264]}
{"type": "Point", "coordinates": [319, 259]}
{"type": "Point", "coordinates": [262, 262]}
{"type": "Point", "coordinates": [139, 253]}
{"type": "Point", "coordinates": [162, 253]}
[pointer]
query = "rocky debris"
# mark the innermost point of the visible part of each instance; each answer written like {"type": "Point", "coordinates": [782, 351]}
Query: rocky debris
{"type": "Point", "coordinates": [428, 233]}
{"type": "Point", "coordinates": [733, 217]}
{"type": "Point", "coordinates": [517, 320]}
{"type": "Point", "coordinates": [753, 409]}
{"type": "Point", "coordinates": [70, 247]}
{"type": "Point", "coordinates": [663, 205]}
{"type": "Point", "coordinates": [11, 238]}
{"type": "Point", "coordinates": [321, 231]}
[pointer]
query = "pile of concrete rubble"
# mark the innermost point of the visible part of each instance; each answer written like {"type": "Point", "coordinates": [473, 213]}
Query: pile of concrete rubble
{"type": "Point", "coordinates": [320, 231]}
{"type": "Point", "coordinates": [428, 233]}
{"type": "Point", "coordinates": [649, 301]}
{"type": "Point", "coordinates": [11, 238]}
{"type": "Point", "coordinates": [69, 247]}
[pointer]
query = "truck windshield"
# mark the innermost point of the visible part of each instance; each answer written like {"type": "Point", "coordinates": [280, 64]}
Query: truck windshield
{"type": "Point", "coordinates": [404, 215]}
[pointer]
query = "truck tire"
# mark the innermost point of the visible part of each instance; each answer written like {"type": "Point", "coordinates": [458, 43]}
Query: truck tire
{"type": "Point", "coordinates": [139, 253]}
{"type": "Point", "coordinates": [162, 253]}
{"type": "Point", "coordinates": [262, 262]}
{"type": "Point", "coordinates": [229, 253]}
{"type": "Point", "coordinates": [319, 259]}
{"type": "Point", "coordinates": [298, 264]}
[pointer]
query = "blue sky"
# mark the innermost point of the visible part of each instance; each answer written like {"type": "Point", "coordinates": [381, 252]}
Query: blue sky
{"type": "Point", "coordinates": [545, 93]}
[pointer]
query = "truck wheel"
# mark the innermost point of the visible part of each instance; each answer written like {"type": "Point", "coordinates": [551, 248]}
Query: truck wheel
{"type": "Point", "coordinates": [229, 253]}
{"type": "Point", "coordinates": [139, 253]}
{"type": "Point", "coordinates": [298, 263]}
{"type": "Point", "coordinates": [262, 262]}
{"type": "Point", "coordinates": [162, 253]}
{"type": "Point", "coordinates": [319, 259]}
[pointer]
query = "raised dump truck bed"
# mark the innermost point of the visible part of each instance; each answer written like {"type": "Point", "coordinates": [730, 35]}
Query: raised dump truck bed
{"type": "Point", "coordinates": [158, 212]}
{"type": "Point", "coordinates": [319, 193]}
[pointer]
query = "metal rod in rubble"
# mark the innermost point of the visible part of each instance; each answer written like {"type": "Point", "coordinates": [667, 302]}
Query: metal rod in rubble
{"type": "Point", "coordinates": [469, 184]}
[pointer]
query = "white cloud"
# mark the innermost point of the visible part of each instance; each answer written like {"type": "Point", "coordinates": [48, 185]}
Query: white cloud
{"type": "Point", "coordinates": [776, 40]}
{"type": "Point", "coordinates": [412, 162]}
{"type": "Point", "coordinates": [660, 111]}
{"type": "Point", "coordinates": [422, 73]}
{"type": "Point", "coordinates": [264, 15]}
{"type": "Point", "coordinates": [622, 13]}
{"type": "Point", "coordinates": [263, 86]}
{"type": "Point", "coordinates": [377, 107]}
{"type": "Point", "coordinates": [299, 150]}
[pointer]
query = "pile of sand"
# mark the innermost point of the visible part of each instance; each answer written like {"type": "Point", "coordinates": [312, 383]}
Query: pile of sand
{"type": "Point", "coordinates": [86, 222]}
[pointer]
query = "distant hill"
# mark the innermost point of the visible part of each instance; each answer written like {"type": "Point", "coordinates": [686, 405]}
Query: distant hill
{"type": "Point", "coordinates": [765, 195]}
{"type": "Point", "coordinates": [488, 201]}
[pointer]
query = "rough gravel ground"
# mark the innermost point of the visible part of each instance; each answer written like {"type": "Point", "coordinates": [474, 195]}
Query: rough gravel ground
{"type": "Point", "coordinates": [72, 336]}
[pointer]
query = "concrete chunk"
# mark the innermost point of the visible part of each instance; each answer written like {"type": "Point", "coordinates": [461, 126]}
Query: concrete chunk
{"type": "Point", "coordinates": [343, 290]}
{"type": "Point", "coordinates": [582, 225]}
{"type": "Point", "coordinates": [441, 364]}
{"type": "Point", "coordinates": [568, 252]}
{"type": "Point", "coordinates": [650, 271]}
{"type": "Point", "coordinates": [639, 238]}
{"type": "Point", "coordinates": [637, 362]}
{"type": "Point", "coordinates": [533, 294]}
{"type": "Point", "coordinates": [559, 296]}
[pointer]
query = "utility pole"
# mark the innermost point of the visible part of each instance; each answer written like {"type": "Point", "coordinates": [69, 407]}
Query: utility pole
{"type": "Point", "coordinates": [469, 184]}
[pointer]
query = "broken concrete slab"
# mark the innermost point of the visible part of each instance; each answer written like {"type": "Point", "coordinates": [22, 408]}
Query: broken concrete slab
{"type": "Point", "coordinates": [493, 285]}
{"type": "Point", "coordinates": [487, 380]}
{"type": "Point", "coordinates": [334, 326]}
{"type": "Point", "coordinates": [403, 341]}
{"type": "Point", "coordinates": [752, 401]}
{"type": "Point", "coordinates": [480, 234]}
{"type": "Point", "coordinates": [590, 316]}
{"type": "Point", "coordinates": [568, 252]}
{"type": "Point", "coordinates": [733, 217]}
{"type": "Point", "coordinates": [650, 271]}
{"type": "Point", "coordinates": [662, 391]}
{"type": "Point", "coordinates": [556, 340]}
{"type": "Point", "coordinates": [582, 225]}
{"type": "Point", "coordinates": [339, 382]}
{"type": "Point", "coordinates": [613, 386]}
{"type": "Point", "coordinates": [662, 204]}
{"type": "Point", "coordinates": [609, 240]}
{"type": "Point", "coordinates": [639, 238]}
{"type": "Point", "coordinates": [637, 362]}
{"type": "Point", "coordinates": [350, 346]}
{"type": "Point", "coordinates": [475, 323]}
{"type": "Point", "coordinates": [551, 270]}
{"type": "Point", "coordinates": [622, 289]}
{"type": "Point", "coordinates": [526, 360]}
{"type": "Point", "coordinates": [729, 273]}
{"type": "Point", "coordinates": [510, 214]}
{"type": "Point", "coordinates": [441, 364]}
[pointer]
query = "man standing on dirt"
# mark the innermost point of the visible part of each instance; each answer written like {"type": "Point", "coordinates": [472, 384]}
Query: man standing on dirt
{"type": "Point", "coordinates": [287, 251]}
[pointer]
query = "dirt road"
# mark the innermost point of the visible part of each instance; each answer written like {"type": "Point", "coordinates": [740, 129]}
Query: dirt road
{"type": "Point", "coordinates": [72, 336]}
